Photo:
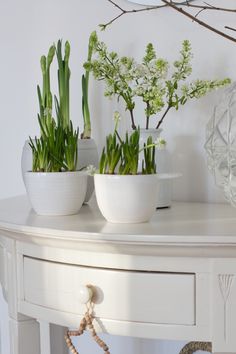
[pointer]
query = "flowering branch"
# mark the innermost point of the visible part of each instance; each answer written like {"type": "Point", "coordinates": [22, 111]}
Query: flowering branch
{"type": "Point", "coordinates": [149, 80]}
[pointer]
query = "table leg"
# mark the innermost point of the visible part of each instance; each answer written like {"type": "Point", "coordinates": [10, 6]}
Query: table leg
{"type": "Point", "coordinates": [45, 343]}
{"type": "Point", "coordinates": [24, 336]}
{"type": "Point", "coordinates": [52, 339]}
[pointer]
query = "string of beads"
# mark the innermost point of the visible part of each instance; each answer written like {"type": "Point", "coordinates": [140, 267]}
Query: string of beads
{"type": "Point", "coordinates": [86, 323]}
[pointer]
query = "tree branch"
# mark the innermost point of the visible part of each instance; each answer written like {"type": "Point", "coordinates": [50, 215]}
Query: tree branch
{"type": "Point", "coordinates": [195, 19]}
{"type": "Point", "coordinates": [230, 28]}
{"type": "Point", "coordinates": [207, 7]}
{"type": "Point", "coordinates": [179, 8]}
{"type": "Point", "coordinates": [125, 12]}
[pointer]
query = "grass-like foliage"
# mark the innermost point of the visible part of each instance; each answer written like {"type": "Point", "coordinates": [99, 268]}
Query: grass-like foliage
{"type": "Point", "coordinates": [56, 149]}
{"type": "Point", "coordinates": [122, 156]}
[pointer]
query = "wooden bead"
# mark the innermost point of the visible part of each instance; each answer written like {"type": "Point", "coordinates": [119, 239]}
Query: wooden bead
{"type": "Point", "coordinates": [86, 323]}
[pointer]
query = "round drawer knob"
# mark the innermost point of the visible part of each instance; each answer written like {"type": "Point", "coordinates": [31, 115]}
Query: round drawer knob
{"type": "Point", "coordinates": [85, 294]}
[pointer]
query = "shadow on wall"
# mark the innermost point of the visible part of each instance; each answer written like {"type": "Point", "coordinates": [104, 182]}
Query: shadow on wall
{"type": "Point", "coordinates": [189, 160]}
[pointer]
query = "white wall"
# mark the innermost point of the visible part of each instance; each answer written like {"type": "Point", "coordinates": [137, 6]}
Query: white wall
{"type": "Point", "coordinates": [27, 28]}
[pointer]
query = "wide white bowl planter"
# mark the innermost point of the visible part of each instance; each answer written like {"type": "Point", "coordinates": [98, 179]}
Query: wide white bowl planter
{"type": "Point", "coordinates": [87, 155]}
{"type": "Point", "coordinates": [126, 199]}
{"type": "Point", "coordinates": [56, 193]}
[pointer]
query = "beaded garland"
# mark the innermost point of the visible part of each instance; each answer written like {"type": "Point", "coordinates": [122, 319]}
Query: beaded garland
{"type": "Point", "coordinates": [86, 323]}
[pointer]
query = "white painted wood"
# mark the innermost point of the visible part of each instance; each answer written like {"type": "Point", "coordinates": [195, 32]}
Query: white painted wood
{"type": "Point", "coordinates": [11, 268]}
{"type": "Point", "coordinates": [125, 296]}
{"type": "Point", "coordinates": [185, 224]}
{"type": "Point", "coordinates": [122, 328]}
{"type": "Point", "coordinates": [45, 343]}
{"type": "Point", "coordinates": [24, 337]}
{"type": "Point", "coordinates": [224, 305]}
{"type": "Point", "coordinates": [4, 328]}
{"type": "Point", "coordinates": [173, 278]}
{"type": "Point", "coordinates": [2, 268]}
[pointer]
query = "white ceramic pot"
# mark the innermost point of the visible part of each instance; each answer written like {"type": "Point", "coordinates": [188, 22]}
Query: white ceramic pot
{"type": "Point", "coordinates": [126, 199]}
{"type": "Point", "coordinates": [163, 162]}
{"type": "Point", "coordinates": [87, 155]}
{"type": "Point", "coordinates": [56, 193]}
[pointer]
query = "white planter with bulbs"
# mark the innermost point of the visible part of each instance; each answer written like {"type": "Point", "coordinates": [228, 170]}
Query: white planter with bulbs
{"type": "Point", "coordinates": [87, 155]}
{"type": "Point", "coordinates": [126, 198]}
{"type": "Point", "coordinates": [163, 163]}
{"type": "Point", "coordinates": [56, 193]}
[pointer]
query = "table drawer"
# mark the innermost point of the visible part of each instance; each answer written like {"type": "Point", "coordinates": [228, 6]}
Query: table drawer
{"type": "Point", "coordinates": [165, 298]}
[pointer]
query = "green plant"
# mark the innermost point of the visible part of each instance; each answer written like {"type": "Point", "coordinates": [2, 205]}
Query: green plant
{"type": "Point", "coordinates": [45, 97]}
{"type": "Point", "coordinates": [130, 153]}
{"type": "Point", "coordinates": [116, 74]}
{"type": "Point", "coordinates": [122, 156]}
{"type": "Point", "coordinates": [148, 164]}
{"type": "Point", "coordinates": [64, 81]}
{"type": "Point", "coordinates": [56, 148]}
{"type": "Point", "coordinates": [85, 86]}
{"type": "Point", "coordinates": [150, 80]}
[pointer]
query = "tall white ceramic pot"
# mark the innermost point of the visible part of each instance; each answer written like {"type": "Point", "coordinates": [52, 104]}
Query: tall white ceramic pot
{"type": "Point", "coordinates": [126, 198]}
{"type": "Point", "coordinates": [87, 155]}
{"type": "Point", "coordinates": [163, 162]}
{"type": "Point", "coordinates": [56, 193]}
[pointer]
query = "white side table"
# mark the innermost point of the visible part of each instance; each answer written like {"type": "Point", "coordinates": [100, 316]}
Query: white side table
{"type": "Point", "coordinates": [171, 278]}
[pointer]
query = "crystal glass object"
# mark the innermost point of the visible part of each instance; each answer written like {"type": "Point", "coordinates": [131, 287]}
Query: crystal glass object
{"type": "Point", "coordinates": [221, 144]}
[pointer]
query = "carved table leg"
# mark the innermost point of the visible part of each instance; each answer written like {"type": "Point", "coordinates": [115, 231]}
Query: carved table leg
{"type": "Point", "coordinates": [192, 347]}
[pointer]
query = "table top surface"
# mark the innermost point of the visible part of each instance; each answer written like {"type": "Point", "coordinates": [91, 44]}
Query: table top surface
{"type": "Point", "coordinates": [185, 223]}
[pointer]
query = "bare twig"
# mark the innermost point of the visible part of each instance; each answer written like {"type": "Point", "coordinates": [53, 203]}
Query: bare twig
{"type": "Point", "coordinates": [208, 7]}
{"type": "Point", "coordinates": [200, 11]}
{"type": "Point", "coordinates": [180, 8]}
{"type": "Point", "coordinates": [230, 28]}
{"type": "Point", "coordinates": [195, 19]}
{"type": "Point", "coordinates": [125, 12]}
